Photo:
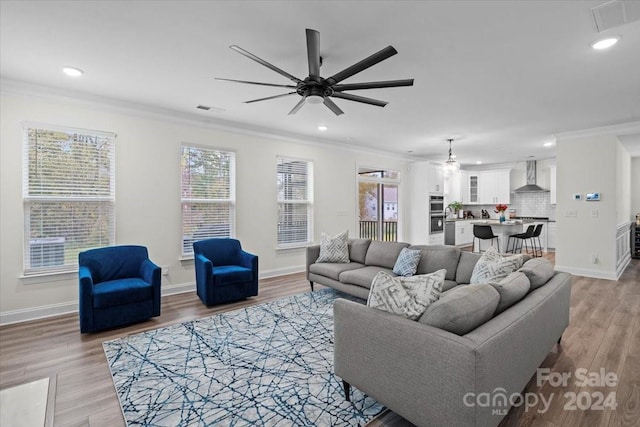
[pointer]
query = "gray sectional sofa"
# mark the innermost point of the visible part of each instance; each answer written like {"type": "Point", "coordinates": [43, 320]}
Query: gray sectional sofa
{"type": "Point", "coordinates": [431, 375]}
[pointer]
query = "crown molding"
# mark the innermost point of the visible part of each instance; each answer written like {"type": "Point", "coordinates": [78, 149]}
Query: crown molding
{"type": "Point", "coordinates": [25, 89]}
{"type": "Point", "coordinates": [629, 128]}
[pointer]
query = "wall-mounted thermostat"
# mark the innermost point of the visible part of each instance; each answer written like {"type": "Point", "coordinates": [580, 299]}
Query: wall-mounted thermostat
{"type": "Point", "coordinates": [593, 197]}
{"type": "Point", "coordinates": [577, 197]}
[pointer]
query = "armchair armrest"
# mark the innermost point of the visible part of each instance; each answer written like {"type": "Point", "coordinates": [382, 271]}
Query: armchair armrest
{"type": "Point", "coordinates": [85, 298]}
{"type": "Point", "coordinates": [204, 268]}
{"type": "Point", "coordinates": [313, 252]}
{"type": "Point", "coordinates": [150, 273]}
{"type": "Point", "coordinates": [249, 260]}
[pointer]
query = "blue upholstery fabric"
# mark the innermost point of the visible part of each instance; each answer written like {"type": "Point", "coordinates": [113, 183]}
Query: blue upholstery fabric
{"type": "Point", "coordinates": [224, 272]}
{"type": "Point", "coordinates": [119, 285]}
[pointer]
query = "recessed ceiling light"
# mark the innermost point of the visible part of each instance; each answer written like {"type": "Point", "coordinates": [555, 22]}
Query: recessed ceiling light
{"type": "Point", "coordinates": [72, 71]}
{"type": "Point", "coordinates": [605, 43]}
{"type": "Point", "coordinates": [548, 144]}
{"type": "Point", "coordinates": [322, 128]}
{"type": "Point", "coordinates": [479, 162]}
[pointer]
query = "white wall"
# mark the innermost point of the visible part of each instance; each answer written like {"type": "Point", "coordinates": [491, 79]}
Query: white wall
{"type": "Point", "coordinates": [148, 195]}
{"type": "Point", "coordinates": [635, 187]}
{"type": "Point", "coordinates": [584, 165]}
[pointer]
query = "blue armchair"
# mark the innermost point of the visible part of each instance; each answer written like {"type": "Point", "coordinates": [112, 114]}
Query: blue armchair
{"type": "Point", "coordinates": [224, 272]}
{"type": "Point", "coordinates": [119, 285]}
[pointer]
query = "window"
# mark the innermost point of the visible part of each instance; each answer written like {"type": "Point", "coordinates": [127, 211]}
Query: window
{"type": "Point", "coordinates": [378, 192]}
{"type": "Point", "coordinates": [295, 202]}
{"type": "Point", "coordinates": [208, 195]}
{"type": "Point", "coordinates": [68, 195]}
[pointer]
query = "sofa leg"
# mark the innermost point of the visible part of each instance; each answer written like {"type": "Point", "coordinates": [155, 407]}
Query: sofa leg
{"type": "Point", "coordinates": [347, 390]}
{"type": "Point", "coordinates": [311, 283]}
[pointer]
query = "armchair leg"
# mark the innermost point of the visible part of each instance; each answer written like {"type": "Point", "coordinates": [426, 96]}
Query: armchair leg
{"type": "Point", "coordinates": [311, 283]}
{"type": "Point", "coordinates": [347, 390]}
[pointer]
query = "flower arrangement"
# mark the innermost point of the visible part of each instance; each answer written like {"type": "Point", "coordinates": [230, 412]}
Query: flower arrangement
{"type": "Point", "coordinates": [500, 208]}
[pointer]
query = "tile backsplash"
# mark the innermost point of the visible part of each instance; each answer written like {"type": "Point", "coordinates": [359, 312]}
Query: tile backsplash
{"type": "Point", "coordinates": [525, 204]}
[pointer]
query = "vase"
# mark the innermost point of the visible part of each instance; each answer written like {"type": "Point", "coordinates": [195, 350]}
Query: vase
{"type": "Point", "coordinates": [502, 218]}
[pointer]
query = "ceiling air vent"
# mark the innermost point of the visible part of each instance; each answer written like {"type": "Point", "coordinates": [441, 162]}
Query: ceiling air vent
{"type": "Point", "coordinates": [203, 107]}
{"type": "Point", "coordinates": [615, 13]}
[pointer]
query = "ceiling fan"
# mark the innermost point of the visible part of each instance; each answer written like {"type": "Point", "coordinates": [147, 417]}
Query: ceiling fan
{"type": "Point", "coordinates": [314, 89]}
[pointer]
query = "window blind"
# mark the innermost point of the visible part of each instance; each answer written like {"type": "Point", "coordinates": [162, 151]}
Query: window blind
{"type": "Point", "coordinates": [295, 202]}
{"type": "Point", "coordinates": [208, 195]}
{"type": "Point", "coordinates": [68, 195]}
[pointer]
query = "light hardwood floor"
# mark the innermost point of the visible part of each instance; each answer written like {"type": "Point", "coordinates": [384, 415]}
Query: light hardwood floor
{"type": "Point", "coordinates": [604, 332]}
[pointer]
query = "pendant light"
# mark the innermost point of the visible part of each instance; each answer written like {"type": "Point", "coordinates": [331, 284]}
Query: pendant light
{"type": "Point", "coordinates": [450, 166]}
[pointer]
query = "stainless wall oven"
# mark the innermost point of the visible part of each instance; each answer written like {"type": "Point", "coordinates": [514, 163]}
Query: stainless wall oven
{"type": "Point", "coordinates": [436, 214]}
{"type": "Point", "coordinates": [436, 223]}
{"type": "Point", "coordinates": [436, 204]}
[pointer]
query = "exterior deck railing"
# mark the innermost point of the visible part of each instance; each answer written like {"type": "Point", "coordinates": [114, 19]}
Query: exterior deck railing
{"type": "Point", "coordinates": [369, 230]}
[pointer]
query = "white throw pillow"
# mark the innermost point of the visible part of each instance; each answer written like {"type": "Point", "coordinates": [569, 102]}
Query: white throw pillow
{"type": "Point", "coordinates": [406, 296]}
{"type": "Point", "coordinates": [494, 266]}
{"type": "Point", "coordinates": [334, 249]}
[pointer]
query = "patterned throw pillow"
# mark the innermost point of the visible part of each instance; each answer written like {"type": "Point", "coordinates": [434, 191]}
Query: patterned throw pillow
{"type": "Point", "coordinates": [407, 262]}
{"type": "Point", "coordinates": [493, 266]}
{"type": "Point", "coordinates": [334, 249]}
{"type": "Point", "coordinates": [406, 296]}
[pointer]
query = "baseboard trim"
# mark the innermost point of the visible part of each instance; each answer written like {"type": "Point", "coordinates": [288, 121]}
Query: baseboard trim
{"type": "Point", "coordinates": [596, 274]}
{"type": "Point", "coordinates": [45, 311]}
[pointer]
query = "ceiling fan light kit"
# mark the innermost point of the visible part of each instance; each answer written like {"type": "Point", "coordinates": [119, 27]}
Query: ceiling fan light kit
{"type": "Point", "coordinates": [317, 90]}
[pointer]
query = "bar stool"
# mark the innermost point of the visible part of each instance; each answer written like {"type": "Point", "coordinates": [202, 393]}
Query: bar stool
{"type": "Point", "coordinates": [536, 235]}
{"type": "Point", "coordinates": [522, 238]}
{"type": "Point", "coordinates": [483, 232]}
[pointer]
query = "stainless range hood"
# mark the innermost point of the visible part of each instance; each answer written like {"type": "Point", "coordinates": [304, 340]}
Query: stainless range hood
{"type": "Point", "coordinates": [531, 186]}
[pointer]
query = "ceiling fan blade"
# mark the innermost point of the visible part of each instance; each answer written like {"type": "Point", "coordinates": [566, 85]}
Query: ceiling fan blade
{"type": "Point", "coordinates": [362, 65]}
{"type": "Point", "coordinates": [359, 99]}
{"type": "Point", "coordinates": [332, 106]}
{"type": "Point", "coordinates": [269, 97]}
{"type": "Point", "coordinates": [298, 105]}
{"type": "Point", "coordinates": [373, 85]}
{"type": "Point", "coordinates": [313, 52]}
{"type": "Point", "coordinates": [256, 83]}
{"type": "Point", "coordinates": [265, 63]}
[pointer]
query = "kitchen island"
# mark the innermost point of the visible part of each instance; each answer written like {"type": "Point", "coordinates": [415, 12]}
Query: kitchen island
{"type": "Point", "coordinates": [501, 229]}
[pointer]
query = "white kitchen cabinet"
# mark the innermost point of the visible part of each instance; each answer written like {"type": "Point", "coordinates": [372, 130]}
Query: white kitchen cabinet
{"type": "Point", "coordinates": [464, 187]}
{"type": "Point", "coordinates": [435, 178]}
{"type": "Point", "coordinates": [464, 233]}
{"type": "Point", "coordinates": [452, 187]}
{"type": "Point", "coordinates": [473, 195]}
{"type": "Point", "coordinates": [551, 234]}
{"type": "Point", "coordinates": [494, 187]}
{"type": "Point", "coordinates": [552, 185]}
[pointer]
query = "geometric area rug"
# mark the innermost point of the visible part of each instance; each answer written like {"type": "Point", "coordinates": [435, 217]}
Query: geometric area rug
{"type": "Point", "coordinates": [265, 365]}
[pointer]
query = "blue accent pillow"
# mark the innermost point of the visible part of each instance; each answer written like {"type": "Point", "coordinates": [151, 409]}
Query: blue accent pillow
{"type": "Point", "coordinates": [407, 262]}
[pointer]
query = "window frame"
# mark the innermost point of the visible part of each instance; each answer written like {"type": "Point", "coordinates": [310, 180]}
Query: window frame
{"type": "Point", "coordinates": [230, 202]}
{"type": "Point", "coordinates": [309, 202]}
{"type": "Point", "coordinates": [30, 197]}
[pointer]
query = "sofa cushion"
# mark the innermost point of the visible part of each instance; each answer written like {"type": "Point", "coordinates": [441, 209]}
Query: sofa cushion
{"type": "Point", "coordinates": [435, 258]}
{"type": "Point", "coordinates": [120, 292]}
{"type": "Point", "coordinates": [462, 309]}
{"type": "Point", "coordinates": [511, 289]}
{"type": "Point", "coordinates": [333, 269]}
{"type": "Point", "coordinates": [539, 271]}
{"type": "Point", "coordinates": [334, 249]}
{"type": "Point", "coordinates": [493, 266]}
{"type": "Point", "coordinates": [405, 296]}
{"type": "Point", "coordinates": [384, 254]}
{"type": "Point", "coordinates": [449, 284]}
{"type": "Point", "coordinates": [358, 249]}
{"type": "Point", "coordinates": [362, 276]}
{"type": "Point", "coordinates": [465, 267]}
{"type": "Point", "coordinates": [407, 262]}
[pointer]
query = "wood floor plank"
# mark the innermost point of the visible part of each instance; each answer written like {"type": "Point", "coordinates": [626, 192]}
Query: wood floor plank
{"type": "Point", "coordinates": [604, 331]}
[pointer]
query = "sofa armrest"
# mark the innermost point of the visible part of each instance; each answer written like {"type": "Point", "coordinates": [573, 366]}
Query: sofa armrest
{"type": "Point", "coordinates": [313, 252]}
{"type": "Point", "coordinates": [418, 371]}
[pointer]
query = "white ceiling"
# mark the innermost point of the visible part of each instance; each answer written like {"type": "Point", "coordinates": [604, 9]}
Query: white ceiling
{"type": "Point", "coordinates": [501, 77]}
